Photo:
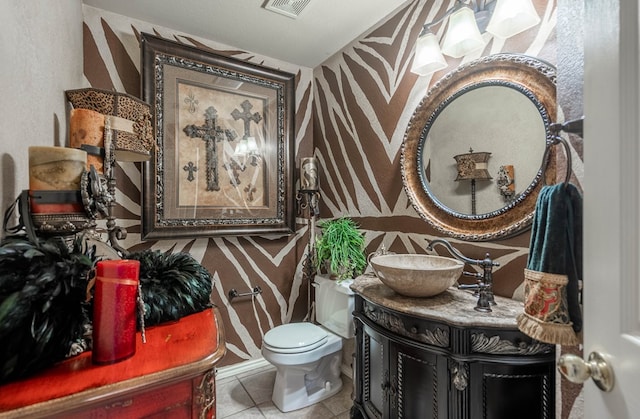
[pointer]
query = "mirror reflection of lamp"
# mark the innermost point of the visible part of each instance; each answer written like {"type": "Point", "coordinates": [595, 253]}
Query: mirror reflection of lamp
{"type": "Point", "coordinates": [248, 148]}
{"type": "Point", "coordinates": [473, 166]}
{"type": "Point", "coordinates": [247, 152]}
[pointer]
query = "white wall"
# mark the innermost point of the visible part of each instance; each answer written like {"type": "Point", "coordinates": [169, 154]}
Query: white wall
{"type": "Point", "coordinates": [41, 47]}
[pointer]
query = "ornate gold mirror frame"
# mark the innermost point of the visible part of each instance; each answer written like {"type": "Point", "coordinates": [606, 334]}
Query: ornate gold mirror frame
{"type": "Point", "coordinates": [536, 80]}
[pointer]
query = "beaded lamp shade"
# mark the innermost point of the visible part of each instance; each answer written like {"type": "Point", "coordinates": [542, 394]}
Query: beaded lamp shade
{"type": "Point", "coordinates": [473, 165]}
{"type": "Point", "coordinates": [127, 117]}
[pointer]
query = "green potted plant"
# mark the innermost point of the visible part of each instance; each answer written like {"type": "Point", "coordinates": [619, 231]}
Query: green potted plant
{"type": "Point", "coordinates": [341, 247]}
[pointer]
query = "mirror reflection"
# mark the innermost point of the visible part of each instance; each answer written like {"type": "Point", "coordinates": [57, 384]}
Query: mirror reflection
{"type": "Point", "coordinates": [472, 156]}
{"type": "Point", "coordinates": [483, 149]}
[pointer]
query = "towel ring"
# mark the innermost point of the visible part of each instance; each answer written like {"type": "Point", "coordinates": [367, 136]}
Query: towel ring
{"type": "Point", "coordinates": [576, 127]}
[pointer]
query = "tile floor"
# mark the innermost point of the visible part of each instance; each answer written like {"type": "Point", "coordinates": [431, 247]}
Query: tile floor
{"type": "Point", "coordinates": [248, 395]}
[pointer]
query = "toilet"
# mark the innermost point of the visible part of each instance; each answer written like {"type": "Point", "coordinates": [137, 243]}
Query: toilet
{"type": "Point", "coordinates": [308, 357]}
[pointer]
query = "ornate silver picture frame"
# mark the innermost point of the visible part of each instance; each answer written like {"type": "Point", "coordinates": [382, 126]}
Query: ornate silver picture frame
{"type": "Point", "coordinates": [224, 144]}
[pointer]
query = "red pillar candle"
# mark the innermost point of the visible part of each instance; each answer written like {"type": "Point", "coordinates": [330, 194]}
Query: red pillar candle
{"type": "Point", "coordinates": [114, 310]}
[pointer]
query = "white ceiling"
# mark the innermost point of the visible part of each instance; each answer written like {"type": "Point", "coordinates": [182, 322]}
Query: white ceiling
{"type": "Point", "coordinates": [323, 28]}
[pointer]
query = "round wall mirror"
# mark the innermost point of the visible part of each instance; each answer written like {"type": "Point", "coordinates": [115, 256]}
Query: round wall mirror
{"type": "Point", "coordinates": [473, 156]}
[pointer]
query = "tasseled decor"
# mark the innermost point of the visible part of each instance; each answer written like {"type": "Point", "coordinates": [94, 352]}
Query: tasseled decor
{"type": "Point", "coordinates": [552, 311]}
{"type": "Point", "coordinates": [44, 313]}
{"type": "Point", "coordinates": [173, 285]}
{"type": "Point", "coordinates": [42, 310]}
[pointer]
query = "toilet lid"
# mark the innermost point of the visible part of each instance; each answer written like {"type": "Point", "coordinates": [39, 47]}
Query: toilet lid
{"type": "Point", "coordinates": [295, 337]}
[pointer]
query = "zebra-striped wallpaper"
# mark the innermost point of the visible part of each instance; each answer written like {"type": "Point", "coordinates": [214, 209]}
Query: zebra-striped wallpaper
{"type": "Point", "coordinates": [351, 113]}
{"type": "Point", "coordinates": [112, 61]}
{"type": "Point", "coordinates": [364, 97]}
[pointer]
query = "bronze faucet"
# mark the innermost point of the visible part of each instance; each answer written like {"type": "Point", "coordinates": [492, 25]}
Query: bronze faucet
{"type": "Point", "coordinates": [484, 286]}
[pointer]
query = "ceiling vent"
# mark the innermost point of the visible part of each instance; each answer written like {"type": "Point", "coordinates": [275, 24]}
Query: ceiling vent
{"type": "Point", "coordinates": [290, 8]}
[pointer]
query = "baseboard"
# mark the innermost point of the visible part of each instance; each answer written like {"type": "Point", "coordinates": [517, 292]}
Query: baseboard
{"type": "Point", "coordinates": [241, 367]}
{"type": "Point", "coordinates": [254, 364]}
{"type": "Point", "coordinates": [347, 370]}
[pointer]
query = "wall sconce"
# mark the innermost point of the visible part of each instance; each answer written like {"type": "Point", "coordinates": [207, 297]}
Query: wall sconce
{"type": "Point", "coordinates": [309, 180]}
{"type": "Point", "coordinates": [308, 198]}
{"type": "Point", "coordinates": [467, 21]}
{"type": "Point", "coordinates": [473, 166]}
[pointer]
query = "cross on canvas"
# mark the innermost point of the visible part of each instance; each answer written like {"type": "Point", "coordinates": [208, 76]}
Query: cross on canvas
{"type": "Point", "coordinates": [213, 129]}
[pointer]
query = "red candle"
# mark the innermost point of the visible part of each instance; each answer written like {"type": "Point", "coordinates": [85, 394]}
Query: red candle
{"type": "Point", "coordinates": [114, 310]}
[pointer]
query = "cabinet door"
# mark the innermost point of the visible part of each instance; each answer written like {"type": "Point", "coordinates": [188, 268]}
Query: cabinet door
{"type": "Point", "coordinates": [512, 391]}
{"type": "Point", "coordinates": [418, 378]}
{"type": "Point", "coordinates": [376, 386]}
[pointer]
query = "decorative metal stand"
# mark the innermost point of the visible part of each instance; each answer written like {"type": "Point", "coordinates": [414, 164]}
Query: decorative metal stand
{"type": "Point", "coordinates": [128, 136]}
{"type": "Point", "coordinates": [308, 204]}
{"type": "Point", "coordinates": [114, 231]}
{"type": "Point", "coordinates": [99, 193]}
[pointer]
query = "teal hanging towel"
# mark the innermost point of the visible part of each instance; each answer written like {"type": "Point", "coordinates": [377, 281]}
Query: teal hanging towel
{"type": "Point", "coordinates": [552, 311]}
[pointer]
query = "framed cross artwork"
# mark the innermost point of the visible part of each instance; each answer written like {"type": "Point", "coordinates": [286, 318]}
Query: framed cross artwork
{"type": "Point", "coordinates": [224, 144]}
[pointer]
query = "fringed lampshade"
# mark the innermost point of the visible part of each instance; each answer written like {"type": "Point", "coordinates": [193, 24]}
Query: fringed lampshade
{"type": "Point", "coordinates": [473, 166]}
{"type": "Point", "coordinates": [128, 117]}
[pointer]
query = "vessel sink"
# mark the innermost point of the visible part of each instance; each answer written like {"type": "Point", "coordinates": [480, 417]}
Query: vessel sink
{"type": "Point", "coordinates": [415, 275]}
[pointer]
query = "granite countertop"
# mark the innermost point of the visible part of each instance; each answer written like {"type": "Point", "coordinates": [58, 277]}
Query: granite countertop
{"type": "Point", "coordinates": [454, 306]}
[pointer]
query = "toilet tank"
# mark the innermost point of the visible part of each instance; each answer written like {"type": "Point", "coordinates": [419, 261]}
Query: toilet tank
{"type": "Point", "coordinates": [334, 305]}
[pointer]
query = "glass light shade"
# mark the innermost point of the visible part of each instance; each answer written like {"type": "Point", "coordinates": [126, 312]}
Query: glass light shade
{"type": "Point", "coordinates": [252, 145]}
{"type": "Point", "coordinates": [242, 148]}
{"type": "Point", "coordinates": [511, 17]}
{"type": "Point", "coordinates": [463, 35]}
{"type": "Point", "coordinates": [428, 57]}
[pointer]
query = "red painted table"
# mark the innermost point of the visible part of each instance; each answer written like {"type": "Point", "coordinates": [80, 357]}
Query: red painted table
{"type": "Point", "coordinates": [171, 375]}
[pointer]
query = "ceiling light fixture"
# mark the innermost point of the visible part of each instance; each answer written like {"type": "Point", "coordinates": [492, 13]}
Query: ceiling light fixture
{"type": "Point", "coordinates": [511, 17]}
{"type": "Point", "coordinates": [467, 21]}
{"type": "Point", "coordinates": [463, 36]}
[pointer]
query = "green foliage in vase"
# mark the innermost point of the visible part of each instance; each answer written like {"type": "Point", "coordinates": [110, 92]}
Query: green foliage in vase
{"type": "Point", "coordinates": [341, 244]}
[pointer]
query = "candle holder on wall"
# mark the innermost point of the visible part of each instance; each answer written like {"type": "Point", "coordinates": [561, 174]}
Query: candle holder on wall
{"type": "Point", "coordinates": [308, 207]}
{"type": "Point", "coordinates": [308, 198]}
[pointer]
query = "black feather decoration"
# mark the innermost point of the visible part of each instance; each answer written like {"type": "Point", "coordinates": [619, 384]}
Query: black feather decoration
{"type": "Point", "coordinates": [42, 302]}
{"type": "Point", "coordinates": [173, 285]}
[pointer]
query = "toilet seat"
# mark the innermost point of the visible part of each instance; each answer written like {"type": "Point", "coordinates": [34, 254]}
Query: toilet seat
{"type": "Point", "coordinates": [295, 338]}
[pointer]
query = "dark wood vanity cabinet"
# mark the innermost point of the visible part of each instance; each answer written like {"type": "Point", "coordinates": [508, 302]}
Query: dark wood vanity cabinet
{"type": "Point", "coordinates": [411, 365]}
{"type": "Point", "coordinates": [399, 380]}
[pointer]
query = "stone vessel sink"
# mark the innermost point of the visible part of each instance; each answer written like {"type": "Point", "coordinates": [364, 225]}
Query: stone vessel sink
{"type": "Point", "coordinates": [414, 275]}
